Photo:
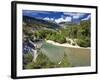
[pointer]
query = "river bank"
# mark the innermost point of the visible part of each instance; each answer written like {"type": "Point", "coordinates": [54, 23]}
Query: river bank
{"type": "Point", "coordinates": [65, 45]}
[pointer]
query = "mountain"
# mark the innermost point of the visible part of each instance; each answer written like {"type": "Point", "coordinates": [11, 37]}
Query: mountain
{"type": "Point", "coordinates": [39, 22]}
{"type": "Point", "coordinates": [67, 24]}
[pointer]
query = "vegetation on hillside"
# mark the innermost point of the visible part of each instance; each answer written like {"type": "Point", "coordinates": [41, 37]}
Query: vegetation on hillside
{"type": "Point", "coordinates": [80, 32]}
{"type": "Point", "coordinates": [41, 29]}
{"type": "Point", "coordinates": [42, 61]}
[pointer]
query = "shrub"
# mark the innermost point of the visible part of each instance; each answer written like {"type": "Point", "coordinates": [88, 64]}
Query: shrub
{"type": "Point", "coordinates": [73, 44]}
{"type": "Point", "coordinates": [83, 42]}
{"type": "Point", "coordinates": [59, 38]}
{"type": "Point", "coordinates": [42, 61]}
{"type": "Point", "coordinates": [27, 58]}
{"type": "Point", "coordinates": [68, 41]}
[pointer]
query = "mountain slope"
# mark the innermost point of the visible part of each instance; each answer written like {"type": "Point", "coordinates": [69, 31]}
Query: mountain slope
{"type": "Point", "coordinates": [39, 22]}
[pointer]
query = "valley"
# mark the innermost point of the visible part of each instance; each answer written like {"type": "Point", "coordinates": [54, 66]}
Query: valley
{"type": "Point", "coordinates": [48, 44]}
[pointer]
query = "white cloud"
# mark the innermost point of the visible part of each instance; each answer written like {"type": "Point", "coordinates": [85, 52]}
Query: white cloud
{"type": "Point", "coordinates": [46, 18]}
{"type": "Point", "coordinates": [88, 17]}
{"type": "Point", "coordinates": [52, 19]}
{"type": "Point", "coordinates": [75, 15]}
{"type": "Point", "coordinates": [49, 19]}
{"type": "Point", "coordinates": [62, 19]}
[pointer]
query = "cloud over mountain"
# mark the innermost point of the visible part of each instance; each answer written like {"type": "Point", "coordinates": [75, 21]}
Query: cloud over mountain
{"type": "Point", "coordinates": [58, 16]}
{"type": "Point", "coordinates": [61, 19]}
{"type": "Point", "coordinates": [75, 15]}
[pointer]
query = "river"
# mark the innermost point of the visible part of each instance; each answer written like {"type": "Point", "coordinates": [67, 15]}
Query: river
{"type": "Point", "coordinates": [76, 56]}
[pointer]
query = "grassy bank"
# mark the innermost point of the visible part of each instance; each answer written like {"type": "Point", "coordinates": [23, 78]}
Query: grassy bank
{"type": "Point", "coordinates": [43, 61]}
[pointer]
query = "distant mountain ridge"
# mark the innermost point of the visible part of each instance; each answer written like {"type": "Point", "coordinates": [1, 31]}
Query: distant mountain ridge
{"type": "Point", "coordinates": [40, 22]}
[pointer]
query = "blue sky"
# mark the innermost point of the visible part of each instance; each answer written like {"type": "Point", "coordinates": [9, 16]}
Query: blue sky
{"type": "Point", "coordinates": [58, 16]}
